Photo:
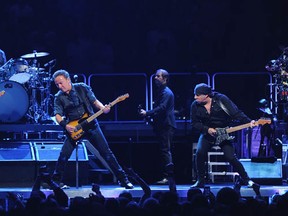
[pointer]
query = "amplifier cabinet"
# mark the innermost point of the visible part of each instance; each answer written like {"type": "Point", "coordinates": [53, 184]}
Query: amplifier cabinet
{"type": "Point", "coordinates": [49, 151]}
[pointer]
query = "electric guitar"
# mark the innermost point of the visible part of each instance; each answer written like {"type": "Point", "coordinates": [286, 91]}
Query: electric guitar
{"type": "Point", "coordinates": [80, 124]}
{"type": "Point", "coordinates": [223, 133]}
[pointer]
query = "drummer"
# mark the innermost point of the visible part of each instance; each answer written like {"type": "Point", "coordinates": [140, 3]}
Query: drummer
{"type": "Point", "coordinates": [2, 58]}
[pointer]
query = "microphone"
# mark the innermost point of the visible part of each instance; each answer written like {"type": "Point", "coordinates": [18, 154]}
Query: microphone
{"type": "Point", "coordinates": [50, 63]}
{"type": "Point", "coordinates": [75, 77]}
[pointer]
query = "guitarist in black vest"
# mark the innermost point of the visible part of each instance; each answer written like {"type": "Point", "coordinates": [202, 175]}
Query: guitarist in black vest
{"type": "Point", "coordinates": [74, 101]}
{"type": "Point", "coordinates": [211, 110]}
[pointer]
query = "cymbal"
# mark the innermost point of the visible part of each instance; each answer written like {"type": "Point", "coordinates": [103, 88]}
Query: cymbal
{"type": "Point", "coordinates": [35, 55]}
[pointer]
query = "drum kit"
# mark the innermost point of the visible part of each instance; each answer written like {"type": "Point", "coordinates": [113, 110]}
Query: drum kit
{"type": "Point", "coordinates": [279, 67]}
{"type": "Point", "coordinates": [25, 89]}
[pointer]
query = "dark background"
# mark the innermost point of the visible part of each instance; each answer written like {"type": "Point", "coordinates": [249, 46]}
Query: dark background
{"type": "Point", "coordinates": [127, 36]}
{"type": "Point", "coordinates": [92, 36]}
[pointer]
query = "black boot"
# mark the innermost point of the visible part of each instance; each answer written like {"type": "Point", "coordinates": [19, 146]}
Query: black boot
{"type": "Point", "coordinates": [124, 182]}
{"type": "Point", "coordinates": [200, 183]}
{"type": "Point", "coordinates": [254, 186]}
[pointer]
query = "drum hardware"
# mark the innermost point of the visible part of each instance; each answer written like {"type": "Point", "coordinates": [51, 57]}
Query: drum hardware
{"type": "Point", "coordinates": [41, 98]}
{"type": "Point", "coordinates": [40, 83]}
{"type": "Point", "coordinates": [26, 90]}
{"type": "Point", "coordinates": [4, 70]}
{"type": "Point", "coordinates": [50, 63]}
{"type": "Point", "coordinates": [47, 96]}
{"type": "Point", "coordinates": [40, 104]}
{"type": "Point", "coordinates": [279, 87]}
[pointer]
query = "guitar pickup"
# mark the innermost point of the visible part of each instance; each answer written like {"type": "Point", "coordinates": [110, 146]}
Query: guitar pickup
{"type": "Point", "coordinates": [78, 127]}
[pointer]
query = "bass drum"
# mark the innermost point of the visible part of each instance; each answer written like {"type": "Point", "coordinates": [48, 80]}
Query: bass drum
{"type": "Point", "coordinates": [14, 101]}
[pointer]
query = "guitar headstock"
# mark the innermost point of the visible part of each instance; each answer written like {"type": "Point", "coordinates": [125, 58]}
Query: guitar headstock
{"type": "Point", "coordinates": [123, 97]}
{"type": "Point", "coordinates": [263, 121]}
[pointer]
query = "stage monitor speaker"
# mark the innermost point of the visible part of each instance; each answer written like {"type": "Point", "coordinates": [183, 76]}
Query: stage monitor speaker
{"type": "Point", "coordinates": [264, 170]}
{"type": "Point", "coordinates": [17, 164]}
{"type": "Point", "coordinates": [11, 151]}
{"type": "Point", "coordinates": [47, 153]}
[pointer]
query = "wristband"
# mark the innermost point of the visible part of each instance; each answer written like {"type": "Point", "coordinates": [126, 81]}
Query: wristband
{"type": "Point", "coordinates": [63, 124]}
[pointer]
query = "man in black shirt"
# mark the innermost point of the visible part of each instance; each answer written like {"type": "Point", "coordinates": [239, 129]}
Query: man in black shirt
{"type": "Point", "coordinates": [164, 123]}
{"type": "Point", "coordinates": [75, 100]}
{"type": "Point", "coordinates": [209, 111]}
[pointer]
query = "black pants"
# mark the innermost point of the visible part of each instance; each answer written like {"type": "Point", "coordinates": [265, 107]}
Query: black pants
{"type": "Point", "coordinates": [97, 139]}
{"type": "Point", "coordinates": [165, 137]}
{"type": "Point", "coordinates": [204, 145]}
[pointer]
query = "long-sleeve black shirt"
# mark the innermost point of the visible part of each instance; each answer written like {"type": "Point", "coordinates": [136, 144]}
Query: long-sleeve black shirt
{"type": "Point", "coordinates": [201, 120]}
{"type": "Point", "coordinates": [163, 109]}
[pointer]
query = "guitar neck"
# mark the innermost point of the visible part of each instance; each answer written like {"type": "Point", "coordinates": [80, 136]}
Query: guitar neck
{"type": "Point", "coordinates": [240, 127]}
{"type": "Point", "coordinates": [95, 115]}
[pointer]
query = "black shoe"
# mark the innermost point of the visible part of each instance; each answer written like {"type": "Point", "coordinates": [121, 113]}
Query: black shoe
{"type": "Point", "coordinates": [163, 181]}
{"type": "Point", "coordinates": [63, 186]}
{"type": "Point", "coordinates": [237, 185]}
{"type": "Point", "coordinates": [126, 183]}
{"type": "Point", "coordinates": [198, 184]}
{"type": "Point", "coordinates": [254, 186]}
{"type": "Point", "coordinates": [45, 185]}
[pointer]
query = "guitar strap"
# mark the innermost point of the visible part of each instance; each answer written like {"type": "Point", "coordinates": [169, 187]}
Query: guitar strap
{"type": "Point", "coordinates": [83, 98]}
{"type": "Point", "coordinates": [220, 103]}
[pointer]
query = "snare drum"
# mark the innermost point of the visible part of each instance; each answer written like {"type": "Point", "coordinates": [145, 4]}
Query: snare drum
{"type": "Point", "coordinates": [19, 71]}
{"type": "Point", "coordinates": [14, 101]}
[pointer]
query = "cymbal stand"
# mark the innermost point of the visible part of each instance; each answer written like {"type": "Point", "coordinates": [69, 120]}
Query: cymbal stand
{"type": "Point", "coordinates": [34, 111]}
{"type": "Point", "coordinates": [46, 101]}
{"type": "Point", "coordinates": [47, 96]}
{"type": "Point", "coordinates": [5, 68]}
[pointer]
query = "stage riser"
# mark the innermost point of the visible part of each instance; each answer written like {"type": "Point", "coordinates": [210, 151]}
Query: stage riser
{"type": "Point", "coordinates": [20, 162]}
{"type": "Point", "coordinates": [264, 172]}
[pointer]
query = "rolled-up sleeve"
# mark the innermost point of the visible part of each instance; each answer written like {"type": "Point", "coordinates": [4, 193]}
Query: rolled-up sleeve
{"type": "Point", "coordinates": [90, 95]}
{"type": "Point", "coordinates": [58, 107]}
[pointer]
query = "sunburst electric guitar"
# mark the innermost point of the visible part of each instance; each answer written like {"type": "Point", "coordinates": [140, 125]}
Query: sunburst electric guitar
{"type": "Point", "coordinates": [79, 124]}
{"type": "Point", "coordinates": [223, 133]}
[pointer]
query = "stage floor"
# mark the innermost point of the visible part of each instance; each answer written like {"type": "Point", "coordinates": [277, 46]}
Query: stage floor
{"type": "Point", "coordinates": [114, 190]}
{"type": "Point", "coordinates": [138, 132]}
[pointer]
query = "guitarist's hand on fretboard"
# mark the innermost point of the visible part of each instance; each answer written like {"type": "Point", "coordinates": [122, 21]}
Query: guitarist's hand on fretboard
{"type": "Point", "coordinates": [253, 123]}
{"type": "Point", "coordinates": [106, 108]}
